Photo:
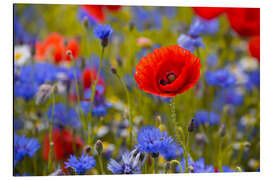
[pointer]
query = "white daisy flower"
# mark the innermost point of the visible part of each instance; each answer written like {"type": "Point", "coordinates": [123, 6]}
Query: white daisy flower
{"type": "Point", "coordinates": [22, 54]}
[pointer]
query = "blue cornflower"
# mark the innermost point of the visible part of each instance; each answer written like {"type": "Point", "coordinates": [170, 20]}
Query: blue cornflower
{"type": "Point", "coordinates": [182, 169]}
{"type": "Point", "coordinates": [18, 124]}
{"type": "Point", "coordinates": [198, 166]}
{"type": "Point", "coordinates": [82, 164]}
{"type": "Point", "coordinates": [169, 12]}
{"type": "Point", "coordinates": [171, 151]}
{"type": "Point", "coordinates": [204, 117]}
{"type": "Point", "coordinates": [152, 140]}
{"type": "Point", "coordinates": [103, 31]}
{"type": "Point", "coordinates": [231, 96]}
{"type": "Point", "coordinates": [24, 146]}
{"type": "Point", "coordinates": [253, 80]}
{"type": "Point", "coordinates": [212, 60]}
{"type": "Point", "coordinates": [25, 90]}
{"type": "Point", "coordinates": [130, 164]}
{"type": "Point", "coordinates": [64, 116]}
{"type": "Point", "coordinates": [201, 26]}
{"type": "Point", "coordinates": [20, 35]}
{"type": "Point", "coordinates": [98, 110]}
{"type": "Point", "coordinates": [227, 169]}
{"type": "Point", "coordinates": [220, 77]}
{"type": "Point", "coordinates": [146, 19]}
{"type": "Point", "coordinates": [24, 174]}
{"type": "Point", "coordinates": [38, 73]}
{"type": "Point", "coordinates": [189, 42]}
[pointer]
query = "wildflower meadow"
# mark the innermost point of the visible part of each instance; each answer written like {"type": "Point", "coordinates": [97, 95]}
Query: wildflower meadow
{"type": "Point", "coordinates": [111, 89]}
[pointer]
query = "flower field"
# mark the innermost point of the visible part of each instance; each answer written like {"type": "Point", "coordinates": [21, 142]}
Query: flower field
{"type": "Point", "coordinates": [106, 89]}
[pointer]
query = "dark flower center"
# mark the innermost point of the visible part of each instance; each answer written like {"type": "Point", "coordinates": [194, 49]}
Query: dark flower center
{"type": "Point", "coordinates": [171, 77]}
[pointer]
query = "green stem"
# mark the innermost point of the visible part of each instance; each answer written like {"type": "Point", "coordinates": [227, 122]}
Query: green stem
{"type": "Point", "coordinates": [78, 93]}
{"type": "Point", "coordinates": [177, 162]}
{"type": "Point", "coordinates": [155, 165]}
{"type": "Point", "coordinates": [173, 116]}
{"type": "Point", "coordinates": [93, 98]}
{"type": "Point", "coordinates": [101, 170]}
{"type": "Point", "coordinates": [220, 155]}
{"type": "Point", "coordinates": [129, 108]}
{"type": "Point", "coordinates": [51, 135]}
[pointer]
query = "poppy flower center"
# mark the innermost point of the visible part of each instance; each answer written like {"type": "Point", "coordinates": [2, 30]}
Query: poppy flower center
{"type": "Point", "coordinates": [171, 77]}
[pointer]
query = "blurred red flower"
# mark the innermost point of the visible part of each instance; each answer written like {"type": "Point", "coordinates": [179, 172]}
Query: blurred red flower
{"type": "Point", "coordinates": [254, 47]}
{"type": "Point", "coordinates": [97, 11]}
{"type": "Point", "coordinates": [245, 21]}
{"type": "Point", "coordinates": [89, 76]}
{"type": "Point", "coordinates": [62, 141]}
{"type": "Point", "coordinates": [168, 71]}
{"type": "Point", "coordinates": [209, 12]}
{"type": "Point", "coordinates": [54, 48]}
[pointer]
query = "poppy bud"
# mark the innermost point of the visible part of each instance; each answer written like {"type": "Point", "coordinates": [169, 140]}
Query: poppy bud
{"type": "Point", "coordinates": [99, 146]}
{"type": "Point", "coordinates": [144, 42]}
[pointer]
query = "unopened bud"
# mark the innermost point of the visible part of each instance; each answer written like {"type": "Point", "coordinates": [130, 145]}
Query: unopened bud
{"type": "Point", "coordinates": [113, 69]}
{"type": "Point", "coordinates": [119, 60]}
{"type": "Point", "coordinates": [247, 144]}
{"type": "Point", "coordinates": [222, 130]}
{"type": "Point", "coordinates": [131, 26]}
{"type": "Point", "coordinates": [85, 22]}
{"type": "Point", "coordinates": [87, 149]}
{"type": "Point", "coordinates": [191, 126]}
{"type": "Point", "coordinates": [201, 139]}
{"type": "Point", "coordinates": [99, 146]}
{"type": "Point", "coordinates": [71, 171]}
{"type": "Point", "coordinates": [144, 42]}
{"type": "Point", "coordinates": [191, 169]}
{"type": "Point", "coordinates": [167, 166]}
{"type": "Point", "coordinates": [158, 119]}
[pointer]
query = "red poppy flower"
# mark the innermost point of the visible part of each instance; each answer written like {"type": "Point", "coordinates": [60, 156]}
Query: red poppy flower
{"type": "Point", "coordinates": [62, 140]}
{"type": "Point", "coordinates": [168, 71]}
{"type": "Point", "coordinates": [89, 76]}
{"type": "Point", "coordinates": [53, 47]}
{"type": "Point", "coordinates": [254, 47]}
{"type": "Point", "coordinates": [209, 12]}
{"type": "Point", "coordinates": [245, 21]}
{"type": "Point", "coordinates": [97, 11]}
